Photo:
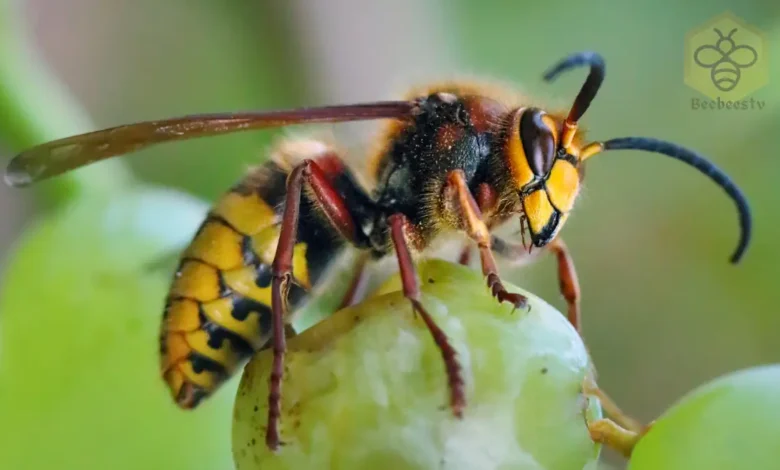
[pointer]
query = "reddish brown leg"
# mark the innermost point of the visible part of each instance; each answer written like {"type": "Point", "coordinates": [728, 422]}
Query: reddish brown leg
{"type": "Point", "coordinates": [567, 275]}
{"type": "Point", "coordinates": [567, 281]}
{"type": "Point", "coordinates": [487, 200]}
{"type": "Point", "coordinates": [399, 231]}
{"type": "Point", "coordinates": [335, 209]}
{"type": "Point", "coordinates": [357, 290]}
{"type": "Point", "coordinates": [465, 256]}
{"type": "Point", "coordinates": [460, 200]}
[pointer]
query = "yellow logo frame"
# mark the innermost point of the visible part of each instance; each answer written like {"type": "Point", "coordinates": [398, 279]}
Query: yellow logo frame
{"type": "Point", "coordinates": [726, 58]}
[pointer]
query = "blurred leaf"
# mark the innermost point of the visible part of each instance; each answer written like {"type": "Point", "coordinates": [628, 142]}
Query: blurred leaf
{"type": "Point", "coordinates": [81, 312]}
{"type": "Point", "coordinates": [223, 57]}
{"type": "Point", "coordinates": [36, 107]}
{"type": "Point", "coordinates": [81, 306]}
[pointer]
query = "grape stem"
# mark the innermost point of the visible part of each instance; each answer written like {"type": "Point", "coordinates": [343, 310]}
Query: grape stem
{"type": "Point", "coordinates": [608, 433]}
{"type": "Point", "coordinates": [589, 387]}
{"type": "Point", "coordinates": [620, 432]}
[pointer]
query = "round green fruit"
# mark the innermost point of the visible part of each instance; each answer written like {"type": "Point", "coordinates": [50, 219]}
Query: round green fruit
{"type": "Point", "coordinates": [366, 387]}
{"type": "Point", "coordinates": [733, 422]}
{"type": "Point", "coordinates": [81, 307]}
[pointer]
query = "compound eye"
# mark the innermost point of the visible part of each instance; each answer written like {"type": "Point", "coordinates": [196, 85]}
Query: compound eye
{"type": "Point", "coordinates": [538, 142]}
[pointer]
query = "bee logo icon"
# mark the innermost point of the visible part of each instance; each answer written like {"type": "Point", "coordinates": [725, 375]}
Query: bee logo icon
{"type": "Point", "coordinates": [725, 59]}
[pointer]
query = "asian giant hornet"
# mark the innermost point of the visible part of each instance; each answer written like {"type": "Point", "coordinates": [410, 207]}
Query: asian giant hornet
{"type": "Point", "coordinates": [452, 158]}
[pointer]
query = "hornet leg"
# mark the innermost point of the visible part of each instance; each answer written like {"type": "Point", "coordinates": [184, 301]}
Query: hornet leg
{"type": "Point", "coordinates": [310, 174]}
{"type": "Point", "coordinates": [400, 230]}
{"type": "Point", "coordinates": [567, 275]}
{"type": "Point", "coordinates": [460, 200]}
{"type": "Point", "coordinates": [357, 288]}
{"type": "Point", "coordinates": [465, 256]}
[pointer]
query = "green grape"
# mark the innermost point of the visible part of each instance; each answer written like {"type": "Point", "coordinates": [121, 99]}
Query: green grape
{"type": "Point", "coordinates": [733, 422]}
{"type": "Point", "coordinates": [81, 308]}
{"type": "Point", "coordinates": [366, 387]}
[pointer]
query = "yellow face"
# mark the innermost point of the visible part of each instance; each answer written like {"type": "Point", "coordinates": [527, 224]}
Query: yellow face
{"type": "Point", "coordinates": [546, 177]}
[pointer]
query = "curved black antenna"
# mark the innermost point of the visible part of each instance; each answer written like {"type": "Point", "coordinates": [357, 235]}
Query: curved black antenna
{"type": "Point", "coordinates": [591, 85]}
{"type": "Point", "coordinates": [703, 165]}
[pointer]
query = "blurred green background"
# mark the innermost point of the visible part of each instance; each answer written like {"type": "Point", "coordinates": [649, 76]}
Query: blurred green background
{"type": "Point", "coordinates": [663, 309]}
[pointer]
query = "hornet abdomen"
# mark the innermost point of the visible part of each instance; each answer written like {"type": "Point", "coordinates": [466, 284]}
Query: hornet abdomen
{"type": "Point", "coordinates": [218, 310]}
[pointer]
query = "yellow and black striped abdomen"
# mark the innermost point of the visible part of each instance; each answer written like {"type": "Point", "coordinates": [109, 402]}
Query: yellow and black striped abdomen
{"type": "Point", "coordinates": [218, 312]}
